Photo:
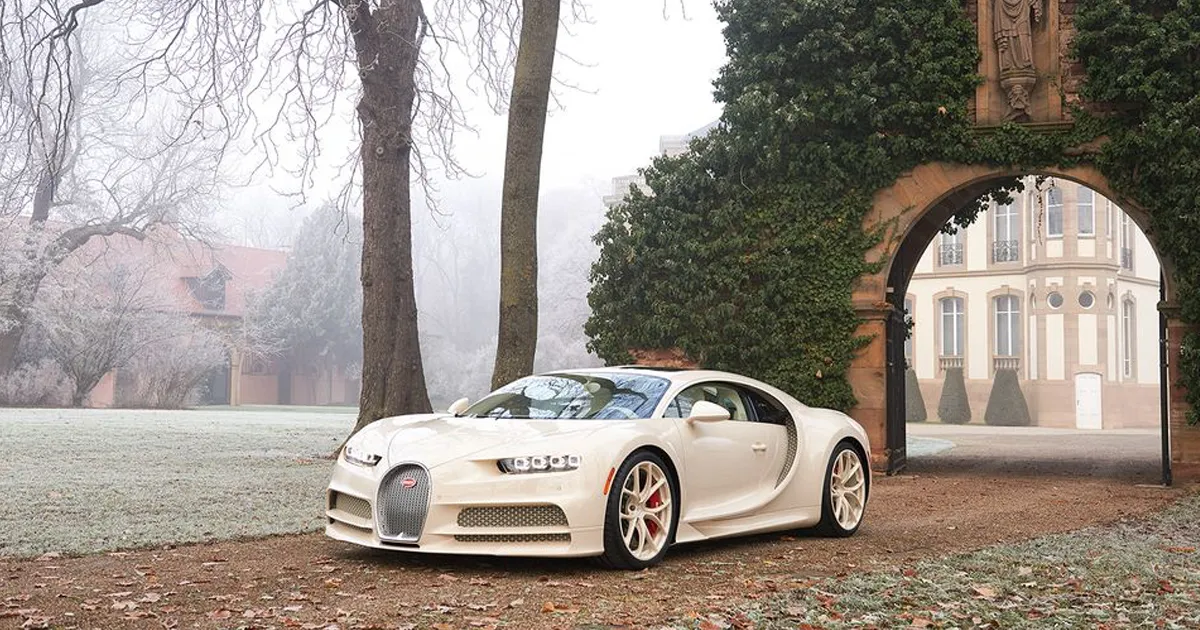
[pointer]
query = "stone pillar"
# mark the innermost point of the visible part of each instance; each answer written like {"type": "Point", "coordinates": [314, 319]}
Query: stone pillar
{"type": "Point", "coordinates": [1185, 438]}
{"type": "Point", "coordinates": [868, 379]}
{"type": "Point", "coordinates": [235, 377]}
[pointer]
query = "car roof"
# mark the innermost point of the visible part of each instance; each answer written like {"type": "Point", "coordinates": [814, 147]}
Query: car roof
{"type": "Point", "coordinates": [674, 374]}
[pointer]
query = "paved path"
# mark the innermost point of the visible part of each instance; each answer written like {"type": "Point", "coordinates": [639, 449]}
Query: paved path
{"type": "Point", "coordinates": [1127, 455]}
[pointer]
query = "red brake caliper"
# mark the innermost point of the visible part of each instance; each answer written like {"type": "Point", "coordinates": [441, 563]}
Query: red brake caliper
{"type": "Point", "coordinates": [653, 502]}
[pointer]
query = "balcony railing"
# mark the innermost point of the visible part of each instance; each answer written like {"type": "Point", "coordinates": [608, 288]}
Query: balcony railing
{"type": "Point", "coordinates": [1006, 363]}
{"type": "Point", "coordinates": [950, 254]}
{"type": "Point", "coordinates": [1127, 258]}
{"type": "Point", "coordinates": [950, 362]}
{"type": "Point", "coordinates": [1006, 251]}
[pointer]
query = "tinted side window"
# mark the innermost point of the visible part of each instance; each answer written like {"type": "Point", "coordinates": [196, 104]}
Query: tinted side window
{"type": "Point", "coordinates": [724, 395]}
{"type": "Point", "coordinates": [766, 409]}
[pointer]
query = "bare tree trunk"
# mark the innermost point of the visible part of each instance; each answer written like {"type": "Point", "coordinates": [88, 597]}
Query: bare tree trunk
{"type": "Point", "coordinates": [387, 45]}
{"type": "Point", "coordinates": [9, 341]}
{"type": "Point", "coordinates": [27, 286]}
{"type": "Point", "coordinates": [517, 342]}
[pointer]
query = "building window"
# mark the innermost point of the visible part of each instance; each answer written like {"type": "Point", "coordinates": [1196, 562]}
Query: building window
{"type": "Point", "coordinates": [209, 290]}
{"type": "Point", "coordinates": [1055, 299]}
{"type": "Point", "coordinates": [908, 337]}
{"type": "Point", "coordinates": [1108, 218]}
{"type": "Point", "coordinates": [1054, 212]}
{"type": "Point", "coordinates": [1128, 339]}
{"type": "Point", "coordinates": [953, 326]}
{"type": "Point", "coordinates": [951, 250]}
{"type": "Point", "coordinates": [1087, 299]}
{"type": "Point", "coordinates": [1086, 207]}
{"type": "Point", "coordinates": [1008, 325]}
{"type": "Point", "coordinates": [1006, 245]}
{"type": "Point", "coordinates": [1126, 242]}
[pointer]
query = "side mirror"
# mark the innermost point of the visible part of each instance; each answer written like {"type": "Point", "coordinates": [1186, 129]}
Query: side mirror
{"type": "Point", "coordinates": [459, 406]}
{"type": "Point", "coordinates": [704, 411]}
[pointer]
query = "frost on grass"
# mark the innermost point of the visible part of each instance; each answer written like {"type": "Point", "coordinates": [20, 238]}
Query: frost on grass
{"type": "Point", "coordinates": [1136, 573]}
{"type": "Point", "coordinates": [82, 480]}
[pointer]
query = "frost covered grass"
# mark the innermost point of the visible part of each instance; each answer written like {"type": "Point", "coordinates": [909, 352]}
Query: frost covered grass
{"type": "Point", "coordinates": [1130, 574]}
{"type": "Point", "coordinates": [84, 480]}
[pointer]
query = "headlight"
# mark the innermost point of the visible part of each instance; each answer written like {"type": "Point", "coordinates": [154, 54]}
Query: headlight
{"type": "Point", "coordinates": [538, 463]}
{"type": "Point", "coordinates": [364, 449]}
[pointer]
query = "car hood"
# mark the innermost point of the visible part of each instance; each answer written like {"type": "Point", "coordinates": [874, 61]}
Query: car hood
{"type": "Point", "coordinates": [433, 440]}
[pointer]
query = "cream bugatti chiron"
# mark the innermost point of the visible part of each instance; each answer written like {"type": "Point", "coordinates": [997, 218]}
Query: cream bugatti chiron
{"type": "Point", "coordinates": [618, 463]}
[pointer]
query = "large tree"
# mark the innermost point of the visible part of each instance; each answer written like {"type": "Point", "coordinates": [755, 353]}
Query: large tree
{"type": "Point", "coordinates": [517, 341]}
{"type": "Point", "coordinates": [78, 160]}
{"type": "Point", "coordinates": [312, 312]}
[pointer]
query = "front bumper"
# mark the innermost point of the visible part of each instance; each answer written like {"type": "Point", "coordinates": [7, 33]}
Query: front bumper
{"type": "Point", "coordinates": [476, 509]}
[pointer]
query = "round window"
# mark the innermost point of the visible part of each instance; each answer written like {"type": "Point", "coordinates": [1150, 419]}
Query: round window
{"type": "Point", "coordinates": [1087, 299]}
{"type": "Point", "coordinates": [1109, 301]}
{"type": "Point", "coordinates": [1055, 299]}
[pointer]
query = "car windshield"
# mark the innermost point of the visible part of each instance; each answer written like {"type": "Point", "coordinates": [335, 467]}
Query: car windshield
{"type": "Point", "coordinates": [574, 397]}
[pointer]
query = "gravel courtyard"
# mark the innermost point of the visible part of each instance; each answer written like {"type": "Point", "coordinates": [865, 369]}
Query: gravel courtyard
{"type": "Point", "coordinates": [83, 480]}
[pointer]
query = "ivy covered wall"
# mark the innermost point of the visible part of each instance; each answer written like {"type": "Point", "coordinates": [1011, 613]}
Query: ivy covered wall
{"type": "Point", "coordinates": [746, 252]}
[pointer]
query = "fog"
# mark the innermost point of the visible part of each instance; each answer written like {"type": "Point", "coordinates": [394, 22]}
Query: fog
{"type": "Point", "coordinates": [230, 173]}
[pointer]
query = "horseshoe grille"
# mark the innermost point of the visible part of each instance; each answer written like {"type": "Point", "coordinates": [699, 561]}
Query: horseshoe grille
{"type": "Point", "coordinates": [402, 509]}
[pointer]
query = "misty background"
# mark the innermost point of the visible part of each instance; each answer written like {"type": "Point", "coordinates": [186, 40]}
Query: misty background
{"type": "Point", "coordinates": [636, 72]}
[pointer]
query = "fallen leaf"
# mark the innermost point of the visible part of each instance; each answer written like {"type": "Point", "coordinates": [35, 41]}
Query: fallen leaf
{"type": "Point", "coordinates": [984, 591]}
{"type": "Point", "coordinates": [150, 598]}
{"type": "Point", "coordinates": [220, 613]}
{"type": "Point", "coordinates": [124, 605]}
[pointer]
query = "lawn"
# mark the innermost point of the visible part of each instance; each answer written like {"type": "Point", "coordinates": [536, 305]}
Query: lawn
{"type": "Point", "coordinates": [81, 480]}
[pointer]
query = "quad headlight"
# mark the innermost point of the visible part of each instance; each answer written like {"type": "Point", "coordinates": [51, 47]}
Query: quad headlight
{"type": "Point", "coordinates": [539, 463]}
{"type": "Point", "coordinates": [364, 449]}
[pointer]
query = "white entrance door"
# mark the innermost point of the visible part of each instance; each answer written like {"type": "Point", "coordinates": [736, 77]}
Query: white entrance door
{"type": "Point", "coordinates": [1087, 401]}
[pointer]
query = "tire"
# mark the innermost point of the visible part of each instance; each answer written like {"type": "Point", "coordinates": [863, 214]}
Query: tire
{"type": "Point", "coordinates": [844, 500]}
{"type": "Point", "coordinates": [653, 517]}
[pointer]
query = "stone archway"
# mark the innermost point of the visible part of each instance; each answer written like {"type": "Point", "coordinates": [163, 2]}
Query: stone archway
{"type": "Point", "coordinates": [910, 213]}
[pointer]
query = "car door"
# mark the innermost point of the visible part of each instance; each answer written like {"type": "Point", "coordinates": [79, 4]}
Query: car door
{"type": "Point", "coordinates": [731, 465]}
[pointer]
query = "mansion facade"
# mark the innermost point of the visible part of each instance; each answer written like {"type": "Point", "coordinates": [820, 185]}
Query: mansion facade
{"type": "Point", "coordinates": [1059, 285]}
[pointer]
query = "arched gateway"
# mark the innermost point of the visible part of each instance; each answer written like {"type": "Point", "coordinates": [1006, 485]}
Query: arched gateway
{"type": "Point", "coordinates": [850, 135]}
{"type": "Point", "coordinates": [1028, 79]}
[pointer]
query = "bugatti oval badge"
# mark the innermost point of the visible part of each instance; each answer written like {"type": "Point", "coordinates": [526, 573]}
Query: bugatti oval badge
{"type": "Point", "coordinates": [408, 482]}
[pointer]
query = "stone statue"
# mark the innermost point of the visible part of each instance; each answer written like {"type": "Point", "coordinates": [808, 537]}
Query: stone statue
{"type": "Point", "coordinates": [1012, 27]}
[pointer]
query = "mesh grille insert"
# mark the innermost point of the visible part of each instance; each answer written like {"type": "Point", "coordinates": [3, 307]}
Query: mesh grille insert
{"type": "Point", "coordinates": [512, 538]}
{"type": "Point", "coordinates": [353, 506]}
{"type": "Point", "coordinates": [792, 445]}
{"type": "Point", "coordinates": [512, 516]}
{"type": "Point", "coordinates": [402, 502]}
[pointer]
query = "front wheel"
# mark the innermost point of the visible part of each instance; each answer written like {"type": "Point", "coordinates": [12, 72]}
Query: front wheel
{"type": "Point", "coordinates": [640, 516]}
{"type": "Point", "coordinates": [845, 496]}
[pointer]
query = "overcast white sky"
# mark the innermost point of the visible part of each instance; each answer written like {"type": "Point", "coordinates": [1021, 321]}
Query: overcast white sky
{"type": "Point", "coordinates": [642, 76]}
{"type": "Point", "coordinates": [649, 76]}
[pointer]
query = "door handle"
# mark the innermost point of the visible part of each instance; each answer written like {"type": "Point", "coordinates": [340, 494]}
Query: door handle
{"type": "Point", "coordinates": [759, 447]}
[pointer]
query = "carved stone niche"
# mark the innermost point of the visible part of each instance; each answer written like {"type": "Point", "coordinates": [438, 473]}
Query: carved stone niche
{"type": "Point", "coordinates": [1020, 61]}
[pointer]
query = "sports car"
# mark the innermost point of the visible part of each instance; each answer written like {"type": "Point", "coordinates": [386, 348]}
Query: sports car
{"type": "Point", "coordinates": [617, 463]}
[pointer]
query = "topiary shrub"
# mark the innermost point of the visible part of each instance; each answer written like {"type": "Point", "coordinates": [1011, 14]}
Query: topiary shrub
{"type": "Point", "coordinates": [914, 402]}
{"type": "Point", "coordinates": [954, 408]}
{"type": "Point", "coordinates": [1006, 404]}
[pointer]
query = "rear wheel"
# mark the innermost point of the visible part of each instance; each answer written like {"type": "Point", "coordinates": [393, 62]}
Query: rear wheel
{"type": "Point", "coordinates": [845, 497]}
{"type": "Point", "coordinates": [640, 516]}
